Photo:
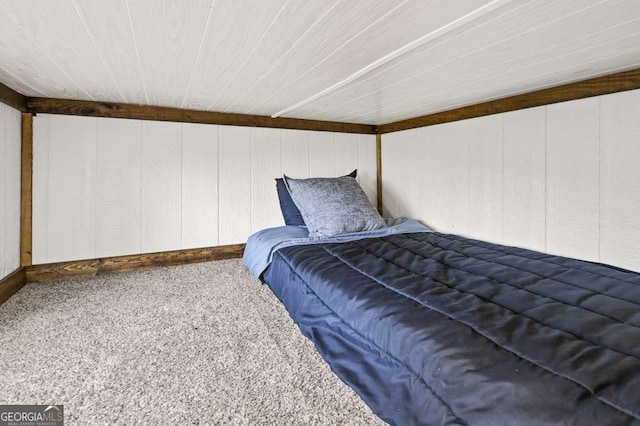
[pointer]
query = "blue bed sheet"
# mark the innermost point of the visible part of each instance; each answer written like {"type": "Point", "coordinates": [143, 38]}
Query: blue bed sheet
{"type": "Point", "coordinates": [262, 245]}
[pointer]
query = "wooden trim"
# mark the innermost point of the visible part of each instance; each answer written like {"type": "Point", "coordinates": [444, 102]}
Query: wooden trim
{"type": "Point", "coordinates": [12, 98]}
{"type": "Point", "coordinates": [379, 171]}
{"type": "Point", "coordinates": [92, 267]}
{"type": "Point", "coordinates": [156, 113]}
{"type": "Point", "coordinates": [26, 195]}
{"type": "Point", "coordinates": [619, 82]}
{"type": "Point", "coordinates": [11, 284]}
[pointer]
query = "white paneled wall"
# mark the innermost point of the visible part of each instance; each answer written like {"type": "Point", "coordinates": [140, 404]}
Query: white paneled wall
{"type": "Point", "coordinates": [235, 184]}
{"type": "Point", "coordinates": [199, 185]}
{"type": "Point", "coordinates": [620, 179]}
{"type": "Point", "coordinates": [523, 177]}
{"type": "Point", "coordinates": [573, 176]}
{"type": "Point", "coordinates": [9, 190]}
{"type": "Point", "coordinates": [108, 187]}
{"type": "Point", "coordinates": [161, 186]}
{"type": "Point", "coordinates": [117, 189]}
{"type": "Point", "coordinates": [563, 178]}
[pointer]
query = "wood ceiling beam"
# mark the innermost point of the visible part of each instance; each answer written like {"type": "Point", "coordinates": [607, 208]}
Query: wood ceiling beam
{"type": "Point", "coordinates": [12, 98]}
{"type": "Point", "coordinates": [619, 82]}
{"type": "Point", "coordinates": [156, 113]}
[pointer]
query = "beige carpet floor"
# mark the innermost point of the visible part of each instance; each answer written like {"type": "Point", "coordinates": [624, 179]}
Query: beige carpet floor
{"type": "Point", "coordinates": [196, 344]}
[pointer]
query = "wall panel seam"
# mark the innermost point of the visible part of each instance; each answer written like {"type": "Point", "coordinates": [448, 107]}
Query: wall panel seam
{"type": "Point", "coordinates": [5, 142]}
{"type": "Point", "coordinates": [95, 192]}
{"type": "Point", "coordinates": [468, 180]}
{"type": "Point", "coordinates": [503, 183]}
{"type": "Point", "coordinates": [502, 180]}
{"type": "Point", "coordinates": [182, 182]}
{"type": "Point", "coordinates": [218, 131]}
{"type": "Point", "coordinates": [336, 148]}
{"type": "Point", "coordinates": [546, 176]}
{"type": "Point", "coordinates": [48, 190]}
{"type": "Point", "coordinates": [140, 187]}
{"type": "Point", "coordinates": [599, 177]}
{"type": "Point", "coordinates": [251, 188]}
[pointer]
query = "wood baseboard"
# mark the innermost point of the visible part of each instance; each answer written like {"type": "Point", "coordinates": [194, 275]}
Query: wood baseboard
{"type": "Point", "coordinates": [92, 267]}
{"type": "Point", "coordinates": [11, 284]}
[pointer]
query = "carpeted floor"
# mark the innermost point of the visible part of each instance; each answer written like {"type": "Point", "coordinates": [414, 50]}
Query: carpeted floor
{"type": "Point", "coordinates": [196, 344]}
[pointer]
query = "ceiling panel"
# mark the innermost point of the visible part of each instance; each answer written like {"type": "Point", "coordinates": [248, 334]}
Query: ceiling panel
{"type": "Point", "coordinates": [540, 44]}
{"type": "Point", "coordinates": [287, 30]}
{"type": "Point", "coordinates": [34, 22]}
{"type": "Point", "coordinates": [107, 23]}
{"type": "Point", "coordinates": [234, 34]}
{"type": "Point", "coordinates": [359, 45]}
{"type": "Point", "coordinates": [167, 35]}
{"type": "Point", "coordinates": [17, 83]}
{"type": "Point", "coordinates": [439, 54]}
{"type": "Point", "coordinates": [377, 60]}
{"type": "Point", "coordinates": [29, 65]}
{"type": "Point", "coordinates": [327, 34]}
{"type": "Point", "coordinates": [604, 59]}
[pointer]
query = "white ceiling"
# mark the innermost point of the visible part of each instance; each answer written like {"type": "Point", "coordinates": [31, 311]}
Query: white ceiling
{"type": "Point", "coordinates": [361, 61]}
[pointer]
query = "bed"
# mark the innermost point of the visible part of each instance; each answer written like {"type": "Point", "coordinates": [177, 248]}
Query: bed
{"type": "Point", "coordinates": [431, 328]}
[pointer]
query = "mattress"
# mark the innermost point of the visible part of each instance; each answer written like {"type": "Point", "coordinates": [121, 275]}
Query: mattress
{"type": "Point", "coordinates": [430, 328]}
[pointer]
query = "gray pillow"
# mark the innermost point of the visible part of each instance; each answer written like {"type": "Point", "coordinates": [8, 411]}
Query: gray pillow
{"type": "Point", "coordinates": [333, 206]}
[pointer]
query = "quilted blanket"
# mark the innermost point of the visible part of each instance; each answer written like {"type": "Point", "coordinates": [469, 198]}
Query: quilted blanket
{"type": "Point", "coordinates": [431, 328]}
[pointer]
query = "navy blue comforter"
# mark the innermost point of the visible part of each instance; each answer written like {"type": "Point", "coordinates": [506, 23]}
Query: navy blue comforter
{"type": "Point", "coordinates": [432, 328]}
